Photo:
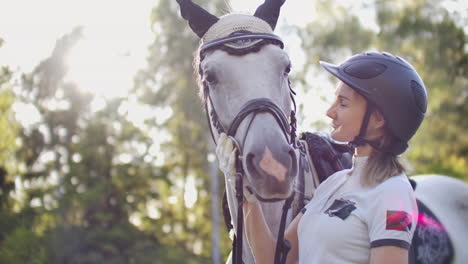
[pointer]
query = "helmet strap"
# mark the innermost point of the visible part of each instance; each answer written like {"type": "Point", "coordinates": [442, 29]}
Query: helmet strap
{"type": "Point", "coordinates": [359, 139]}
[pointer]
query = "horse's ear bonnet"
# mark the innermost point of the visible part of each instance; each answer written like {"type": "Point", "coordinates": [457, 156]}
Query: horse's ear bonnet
{"type": "Point", "coordinates": [209, 27]}
{"type": "Point", "coordinates": [198, 18]}
{"type": "Point", "coordinates": [269, 11]}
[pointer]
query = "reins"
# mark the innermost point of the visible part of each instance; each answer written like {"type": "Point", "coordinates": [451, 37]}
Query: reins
{"type": "Point", "coordinates": [255, 106]}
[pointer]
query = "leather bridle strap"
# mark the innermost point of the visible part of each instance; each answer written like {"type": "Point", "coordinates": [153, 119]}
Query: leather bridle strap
{"type": "Point", "coordinates": [240, 36]}
{"type": "Point", "coordinates": [283, 246]}
{"type": "Point", "coordinates": [260, 105]}
{"type": "Point", "coordinates": [210, 122]}
{"type": "Point", "coordinates": [255, 106]}
{"type": "Point", "coordinates": [237, 242]}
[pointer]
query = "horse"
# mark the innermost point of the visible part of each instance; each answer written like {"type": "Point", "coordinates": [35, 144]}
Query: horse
{"type": "Point", "coordinates": [258, 113]}
{"type": "Point", "coordinates": [441, 235]}
{"type": "Point", "coordinates": [246, 93]}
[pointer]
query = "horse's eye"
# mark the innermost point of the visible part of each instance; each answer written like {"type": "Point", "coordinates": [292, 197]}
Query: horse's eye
{"type": "Point", "coordinates": [288, 69]}
{"type": "Point", "coordinates": [210, 78]}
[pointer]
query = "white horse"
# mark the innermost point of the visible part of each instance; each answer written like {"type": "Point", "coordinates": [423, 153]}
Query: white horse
{"type": "Point", "coordinates": [447, 198]}
{"type": "Point", "coordinates": [245, 89]}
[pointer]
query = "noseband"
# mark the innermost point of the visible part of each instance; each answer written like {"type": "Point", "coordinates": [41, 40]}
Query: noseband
{"type": "Point", "coordinates": [255, 106]}
{"type": "Point", "coordinates": [242, 41]}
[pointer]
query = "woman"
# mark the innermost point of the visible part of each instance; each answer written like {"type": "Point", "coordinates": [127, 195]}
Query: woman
{"type": "Point", "coordinates": [366, 214]}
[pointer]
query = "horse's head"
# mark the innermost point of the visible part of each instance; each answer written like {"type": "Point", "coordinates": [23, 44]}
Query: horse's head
{"type": "Point", "coordinates": [244, 78]}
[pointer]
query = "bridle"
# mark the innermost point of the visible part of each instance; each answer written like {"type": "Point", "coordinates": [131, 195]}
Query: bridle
{"type": "Point", "coordinates": [251, 107]}
{"type": "Point", "coordinates": [254, 106]}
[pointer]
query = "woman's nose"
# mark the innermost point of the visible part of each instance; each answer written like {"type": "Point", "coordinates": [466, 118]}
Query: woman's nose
{"type": "Point", "coordinates": [331, 112]}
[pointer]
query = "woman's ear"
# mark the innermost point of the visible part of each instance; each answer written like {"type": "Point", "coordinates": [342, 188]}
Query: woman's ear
{"type": "Point", "coordinates": [377, 120]}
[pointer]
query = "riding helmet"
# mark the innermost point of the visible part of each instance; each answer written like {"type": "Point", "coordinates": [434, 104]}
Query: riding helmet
{"type": "Point", "coordinates": [392, 85]}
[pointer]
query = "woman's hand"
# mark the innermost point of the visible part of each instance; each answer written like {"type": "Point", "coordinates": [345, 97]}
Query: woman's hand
{"type": "Point", "coordinates": [226, 154]}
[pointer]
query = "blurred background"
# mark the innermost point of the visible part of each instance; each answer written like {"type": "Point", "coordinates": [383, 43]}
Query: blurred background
{"type": "Point", "coordinates": [105, 154]}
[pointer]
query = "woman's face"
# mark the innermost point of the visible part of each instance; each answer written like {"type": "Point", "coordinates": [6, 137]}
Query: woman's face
{"type": "Point", "coordinates": [347, 113]}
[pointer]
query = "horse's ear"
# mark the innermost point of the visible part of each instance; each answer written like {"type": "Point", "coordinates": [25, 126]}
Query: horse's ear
{"type": "Point", "coordinates": [198, 18]}
{"type": "Point", "coordinates": [269, 11]}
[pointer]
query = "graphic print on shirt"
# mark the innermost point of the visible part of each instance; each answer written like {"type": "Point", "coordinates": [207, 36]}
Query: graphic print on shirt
{"type": "Point", "coordinates": [398, 220]}
{"type": "Point", "coordinates": [341, 208]}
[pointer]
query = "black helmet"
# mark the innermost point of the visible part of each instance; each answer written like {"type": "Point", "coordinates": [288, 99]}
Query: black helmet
{"type": "Point", "coordinates": [392, 85]}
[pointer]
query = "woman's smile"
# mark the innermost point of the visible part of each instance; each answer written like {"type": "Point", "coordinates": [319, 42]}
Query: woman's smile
{"type": "Point", "coordinates": [346, 113]}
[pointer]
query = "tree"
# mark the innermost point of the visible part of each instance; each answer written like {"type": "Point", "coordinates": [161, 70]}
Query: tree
{"type": "Point", "coordinates": [82, 193]}
{"type": "Point", "coordinates": [14, 234]}
{"type": "Point", "coordinates": [169, 83]}
{"type": "Point", "coordinates": [17, 240]}
{"type": "Point", "coordinates": [427, 35]}
{"type": "Point", "coordinates": [435, 44]}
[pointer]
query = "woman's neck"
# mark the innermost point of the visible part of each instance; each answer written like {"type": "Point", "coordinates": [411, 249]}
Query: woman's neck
{"type": "Point", "coordinates": [363, 151]}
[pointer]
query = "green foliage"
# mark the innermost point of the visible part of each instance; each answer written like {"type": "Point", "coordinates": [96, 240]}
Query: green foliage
{"type": "Point", "coordinates": [99, 187]}
{"type": "Point", "coordinates": [424, 33]}
{"type": "Point", "coordinates": [169, 82]}
{"type": "Point", "coordinates": [428, 36]}
{"type": "Point", "coordinates": [23, 246]}
{"type": "Point", "coordinates": [78, 190]}
{"type": "Point", "coordinates": [8, 132]}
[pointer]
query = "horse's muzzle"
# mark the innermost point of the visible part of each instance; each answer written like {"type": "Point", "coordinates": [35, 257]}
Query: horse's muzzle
{"type": "Point", "coordinates": [272, 171]}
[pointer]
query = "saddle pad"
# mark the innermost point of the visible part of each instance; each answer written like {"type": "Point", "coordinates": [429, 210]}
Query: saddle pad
{"type": "Point", "coordinates": [327, 156]}
{"type": "Point", "coordinates": [321, 158]}
{"type": "Point", "coordinates": [431, 243]}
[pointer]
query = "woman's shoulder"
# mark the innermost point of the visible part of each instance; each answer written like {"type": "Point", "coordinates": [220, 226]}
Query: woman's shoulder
{"type": "Point", "coordinates": [332, 182]}
{"type": "Point", "coordinates": [335, 177]}
{"type": "Point", "coordinates": [394, 187]}
{"type": "Point", "coordinates": [398, 182]}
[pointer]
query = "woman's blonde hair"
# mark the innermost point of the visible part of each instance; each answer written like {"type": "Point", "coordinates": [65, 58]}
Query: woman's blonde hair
{"type": "Point", "coordinates": [382, 165]}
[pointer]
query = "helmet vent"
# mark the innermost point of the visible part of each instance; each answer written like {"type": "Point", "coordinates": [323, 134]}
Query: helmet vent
{"type": "Point", "coordinates": [419, 96]}
{"type": "Point", "coordinates": [365, 69]}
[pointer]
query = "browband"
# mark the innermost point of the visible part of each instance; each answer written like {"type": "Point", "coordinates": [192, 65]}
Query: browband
{"type": "Point", "coordinates": [229, 39]}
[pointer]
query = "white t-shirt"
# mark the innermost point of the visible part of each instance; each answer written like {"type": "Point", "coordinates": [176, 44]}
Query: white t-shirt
{"type": "Point", "coordinates": [344, 220]}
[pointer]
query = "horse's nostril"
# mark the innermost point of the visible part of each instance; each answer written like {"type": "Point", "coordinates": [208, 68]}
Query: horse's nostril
{"type": "Point", "coordinates": [250, 162]}
{"type": "Point", "coordinates": [279, 166]}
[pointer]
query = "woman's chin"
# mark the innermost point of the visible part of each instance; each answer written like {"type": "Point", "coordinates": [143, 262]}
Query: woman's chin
{"type": "Point", "coordinates": [337, 137]}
